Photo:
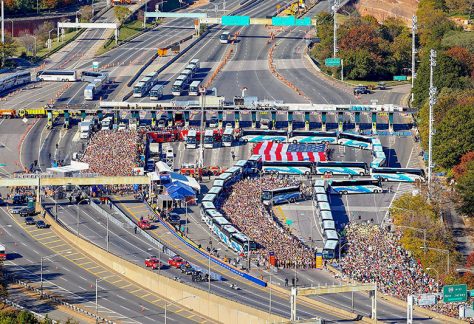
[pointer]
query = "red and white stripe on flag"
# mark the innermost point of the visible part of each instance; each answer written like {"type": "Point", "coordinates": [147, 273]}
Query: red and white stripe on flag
{"type": "Point", "coordinates": [271, 151]}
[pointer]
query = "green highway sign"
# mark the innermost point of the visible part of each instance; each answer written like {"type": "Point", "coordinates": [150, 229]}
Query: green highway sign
{"type": "Point", "coordinates": [306, 21]}
{"type": "Point", "coordinates": [454, 293]}
{"type": "Point", "coordinates": [399, 78]}
{"type": "Point", "coordinates": [332, 62]}
{"type": "Point", "coordinates": [2, 165]}
{"type": "Point", "coordinates": [235, 20]}
{"type": "Point", "coordinates": [284, 21]}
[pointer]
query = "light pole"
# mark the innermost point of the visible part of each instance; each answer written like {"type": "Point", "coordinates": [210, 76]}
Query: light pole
{"type": "Point", "coordinates": [439, 250]}
{"type": "Point", "coordinates": [174, 301]}
{"type": "Point", "coordinates": [37, 7]}
{"type": "Point", "coordinates": [432, 93]}
{"type": "Point", "coordinates": [201, 137]}
{"type": "Point", "coordinates": [414, 28]}
{"type": "Point", "coordinates": [437, 273]}
{"type": "Point", "coordinates": [49, 39]}
{"type": "Point", "coordinates": [77, 207]}
{"type": "Point", "coordinates": [335, 8]}
{"type": "Point", "coordinates": [41, 269]}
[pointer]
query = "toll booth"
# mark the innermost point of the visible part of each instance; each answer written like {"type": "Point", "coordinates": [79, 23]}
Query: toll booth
{"type": "Point", "coordinates": [83, 115]}
{"type": "Point", "coordinates": [274, 120]}
{"type": "Point", "coordinates": [374, 122]}
{"type": "Point", "coordinates": [136, 116]}
{"type": "Point", "coordinates": [116, 117]}
{"type": "Point", "coordinates": [390, 122]}
{"type": "Point", "coordinates": [237, 119]}
{"type": "Point", "coordinates": [220, 118]}
{"type": "Point", "coordinates": [340, 121]}
{"type": "Point", "coordinates": [100, 114]}
{"type": "Point", "coordinates": [186, 118]}
{"type": "Point", "coordinates": [50, 119]}
{"type": "Point", "coordinates": [153, 119]}
{"type": "Point", "coordinates": [170, 118]}
{"type": "Point", "coordinates": [323, 121]}
{"type": "Point", "coordinates": [290, 121]}
{"type": "Point", "coordinates": [357, 121]}
{"type": "Point", "coordinates": [67, 117]}
{"type": "Point", "coordinates": [307, 120]}
{"type": "Point", "coordinates": [254, 119]}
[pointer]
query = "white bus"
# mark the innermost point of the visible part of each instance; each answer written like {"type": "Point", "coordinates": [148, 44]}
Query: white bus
{"type": "Point", "coordinates": [90, 76]}
{"type": "Point", "coordinates": [196, 64]}
{"type": "Point", "coordinates": [177, 88]}
{"type": "Point", "coordinates": [106, 123]}
{"type": "Point", "coordinates": [209, 139]}
{"type": "Point", "coordinates": [191, 139]}
{"type": "Point", "coordinates": [187, 73]}
{"type": "Point", "coordinates": [225, 38]}
{"type": "Point", "coordinates": [156, 92]}
{"type": "Point", "coordinates": [194, 88]}
{"type": "Point", "coordinates": [57, 75]}
{"type": "Point", "coordinates": [228, 137]}
{"type": "Point", "coordinates": [183, 78]}
{"type": "Point", "coordinates": [142, 87]}
{"type": "Point", "coordinates": [14, 80]}
{"type": "Point", "coordinates": [94, 88]}
{"type": "Point", "coordinates": [191, 67]}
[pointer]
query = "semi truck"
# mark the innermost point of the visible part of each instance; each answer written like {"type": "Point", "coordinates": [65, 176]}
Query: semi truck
{"type": "Point", "coordinates": [85, 128]}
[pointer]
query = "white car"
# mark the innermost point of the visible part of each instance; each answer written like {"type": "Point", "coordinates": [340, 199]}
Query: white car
{"type": "Point", "coordinates": [15, 210]}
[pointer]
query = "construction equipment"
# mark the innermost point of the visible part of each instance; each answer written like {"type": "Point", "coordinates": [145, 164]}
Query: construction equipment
{"type": "Point", "coordinates": [294, 8]}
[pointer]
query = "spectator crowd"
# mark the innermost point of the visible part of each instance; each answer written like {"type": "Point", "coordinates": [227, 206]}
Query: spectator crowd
{"type": "Point", "coordinates": [375, 255]}
{"type": "Point", "coordinates": [114, 153]}
{"type": "Point", "coordinates": [245, 210]}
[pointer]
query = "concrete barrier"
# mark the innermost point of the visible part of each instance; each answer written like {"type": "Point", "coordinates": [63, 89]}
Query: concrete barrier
{"type": "Point", "coordinates": [206, 304]}
{"type": "Point", "coordinates": [403, 304]}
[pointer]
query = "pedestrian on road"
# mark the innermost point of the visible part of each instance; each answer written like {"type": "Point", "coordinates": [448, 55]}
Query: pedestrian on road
{"type": "Point", "coordinates": [136, 230]}
{"type": "Point", "coordinates": [286, 282]}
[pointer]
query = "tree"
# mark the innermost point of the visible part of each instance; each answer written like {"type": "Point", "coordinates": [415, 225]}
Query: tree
{"type": "Point", "coordinates": [49, 4]}
{"type": "Point", "coordinates": [86, 13]}
{"type": "Point", "coordinates": [9, 48]}
{"type": "Point", "coordinates": [42, 32]}
{"type": "Point", "coordinates": [121, 13]}
{"type": "Point", "coordinates": [470, 260]}
{"type": "Point", "coordinates": [465, 188]}
{"type": "Point", "coordinates": [140, 15]}
{"type": "Point", "coordinates": [461, 169]}
{"type": "Point", "coordinates": [458, 38]}
{"type": "Point", "coordinates": [454, 136]}
{"type": "Point", "coordinates": [433, 23]}
{"type": "Point", "coordinates": [27, 41]}
{"type": "Point", "coordinates": [459, 6]}
{"type": "Point", "coordinates": [360, 63]}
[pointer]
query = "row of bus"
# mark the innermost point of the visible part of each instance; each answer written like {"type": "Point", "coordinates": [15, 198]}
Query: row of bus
{"type": "Point", "coordinates": [14, 80]}
{"type": "Point", "coordinates": [97, 82]}
{"type": "Point", "coordinates": [217, 222]}
{"type": "Point", "coordinates": [326, 219]}
{"type": "Point", "coordinates": [185, 80]}
{"type": "Point", "coordinates": [379, 158]}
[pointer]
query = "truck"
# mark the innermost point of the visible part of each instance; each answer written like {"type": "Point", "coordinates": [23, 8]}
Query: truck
{"type": "Point", "coordinates": [85, 128]}
{"type": "Point", "coordinates": [106, 123]}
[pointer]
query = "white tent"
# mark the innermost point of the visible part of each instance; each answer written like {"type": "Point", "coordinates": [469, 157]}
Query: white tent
{"type": "Point", "coordinates": [68, 170]}
{"type": "Point", "coordinates": [160, 167]}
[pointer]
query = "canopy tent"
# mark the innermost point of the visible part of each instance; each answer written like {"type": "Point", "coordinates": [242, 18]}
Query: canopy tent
{"type": "Point", "coordinates": [68, 170]}
{"type": "Point", "coordinates": [189, 181]}
{"type": "Point", "coordinates": [178, 190]}
{"type": "Point", "coordinates": [161, 166]}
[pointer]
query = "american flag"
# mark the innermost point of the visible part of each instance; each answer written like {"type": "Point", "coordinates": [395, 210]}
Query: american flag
{"type": "Point", "coordinates": [271, 151]}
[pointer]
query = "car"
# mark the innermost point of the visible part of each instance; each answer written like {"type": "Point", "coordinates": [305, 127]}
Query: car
{"type": "Point", "coordinates": [381, 86]}
{"type": "Point", "coordinates": [162, 123]}
{"type": "Point", "coordinates": [176, 261]}
{"type": "Point", "coordinates": [199, 276]}
{"type": "Point", "coordinates": [360, 89]}
{"type": "Point", "coordinates": [153, 262]}
{"type": "Point", "coordinates": [213, 122]}
{"type": "Point", "coordinates": [174, 219]}
{"type": "Point", "coordinates": [186, 268]}
{"type": "Point", "coordinates": [30, 221]}
{"type": "Point", "coordinates": [27, 211]}
{"type": "Point", "coordinates": [228, 125]}
{"type": "Point", "coordinates": [144, 224]}
{"type": "Point", "coordinates": [15, 209]}
{"type": "Point", "coordinates": [41, 224]}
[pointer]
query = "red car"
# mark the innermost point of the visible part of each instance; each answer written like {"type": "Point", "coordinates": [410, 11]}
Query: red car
{"type": "Point", "coordinates": [144, 224]}
{"type": "Point", "coordinates": [153, 262]}
{"type": "Point", "coordinates": [176, 261]}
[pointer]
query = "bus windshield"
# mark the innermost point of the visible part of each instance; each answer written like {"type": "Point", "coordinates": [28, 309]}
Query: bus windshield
{"type": "Point", "coordinates": [208, 139]}
{"type": "Point", "coordinates": [191, 139]}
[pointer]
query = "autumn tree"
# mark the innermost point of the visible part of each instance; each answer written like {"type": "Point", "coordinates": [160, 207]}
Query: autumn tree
{"type": "Point", "coordinates": [121, 13]}
{"type": "Point", "coordinates": [86, 13]}
{"type": "Point", "coordinates": [465, 188]}
{"type": "Point", "coordinates": [8, 48]}
{"type": "Point", "coordinates": [461, 169]}
{"type": "Point", "coordinates": [42, 33]}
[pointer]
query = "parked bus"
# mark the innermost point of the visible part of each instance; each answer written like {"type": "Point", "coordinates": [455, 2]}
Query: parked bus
{"type": "Point", "coordinates": [196, 64]}
{"type": "Point", "coordinates": [322, 197]}
{"type": "Point", "coordinates": [57, 75]}
{"type": "Point", "coordinates": [293, 168]}
{"type": "Point", "coordinates": [255, 163]}
{"type": "Point", "coordinates": [240, 243]}
{"type": "Point", "coordinates": [323, 206]}
{"type": "Point", "coordinates": [194, 88]}
{"type": "Point", "coordinates": [143, 86]}
{"type": "Point", "coordinates": [90, 76]}
{"type": "Point", "coordinates": [355, 186]}
{"type": "Point", "coordinates": [399, 174]}
{"type": "Point", "coordinates": [191, 67]}
{"type": "Point", "coordinates": [208, 215]}
{"type": "Point", "coordinates": [281, 195]}
{"type": "Point", "coordinates": [209, 139]}
{"type": "Point", "coordinates": [227, 179]}
{"type": "Point", "coordinates": [313, 137]}
{"type": "Point", "coordinates": [326, 215]}
{"type": "Point", "coordinates": [218, 183]}
{"type": "Point", "coordinates": [225, 232]}
{"type": "Point", "coordinates": [218, 222]}
{"type": "Point", "coordinates": [341, 168]}
{"type": "Point", "coordinates": [14, 80]}
{"type": "Point", "coordinates": [188, 73]}
{"type": "Point", "coordinates": [329, 250]}
{"type": "Point", "coordinates": [94, 88]}
{"type": "Point", "coordinates": [319, 190]}
{"type": "Point", "coordinates": [178, 88]}
{"type": "Point", "coordinates": [236, 173]}
{"type": "Point", "coordinates": [191, 139]}
{"type": "Point", "coordinates": [320, 183]}
{"type": "Point", "coordinates": [224, 38]}
{"type": "Point", "coordinates": [379, 160]}
{"type": "Point", "coordinates": [353, 140]}
{"type": "Point", "coordinates": [327, 225]}
{"type": "Point", "coordinates": [206, 206]}
{"type": "Point", "coordinates": [156, 92]}
{"type": "Point", "coordinates": [262, 138]}
{"type": "Point", "coordinates": [209, 197]}
{"type": "Point", "coordinates": [215, 190]}
{"type": "Point", "coordinates": [228, 137]}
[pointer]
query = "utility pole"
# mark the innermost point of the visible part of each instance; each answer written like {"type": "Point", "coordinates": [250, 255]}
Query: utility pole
{"type": "Point", "coordinates": [3, 34]}
{"type": "Point", "coordinates": [335, 7]}
{"type": "Point", "coordinates": [433, 91]}
{"type": "Point", "coordinates": [414, 28]}
{"type": "Point", "coordinates": [201, 128]}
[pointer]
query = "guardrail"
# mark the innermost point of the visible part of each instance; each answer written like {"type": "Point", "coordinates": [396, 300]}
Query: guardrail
{"type": "Point", "coordinates": [220, 263]}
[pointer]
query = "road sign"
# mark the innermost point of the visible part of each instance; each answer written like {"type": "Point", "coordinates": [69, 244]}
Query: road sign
{"type": "Point", "coordinates": [95, 65]}
{"type": "Point", "coordinates": [424, 299]}
{"type": "Point", "coordinates": [2, 165]}
{"type": "Point", "coordinates": [284, 21]}
{"type": "Point", "coordinates": [332, 62]}
{"type": "Point", "coordinates": [399, 78]}
{"type": "Point", "coordinates": [454, 293]}
{"type": "Point", "coordinates": [235, 20]}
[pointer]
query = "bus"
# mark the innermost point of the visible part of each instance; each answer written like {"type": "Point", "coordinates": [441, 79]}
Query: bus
{"type": "Point", "coordinates": [191, 67]}
{"type": "Point", "coordinates": [225, 232]}
{"type": "Point", "coordinates": [353, 140]}
{"type": "Point", "coordinates": [320, 183]}
{"type": "Point", "coordinates": [3, 254]}
{"type": "Point", "coordinates": [224, 38]}
{"type": "Point", "coordinates": [341, 168]}
{"type": "Point", "coordinates": [227, 137]}
{"type": "Point", "coordinates": [262, 138]}
{"type": "Point", "coordinates": [379, 160]}
{"type": "Point", "coordinates": [178, 88]}
{"type": "Point", "coordinates": [215, 190]}
{"type": "Point", "coordinates": [241, 243]}
{"type": "Point", "coordinates": [321, 197]}
{"type": "Point", "coordinates": [156, 92]}
{"type": "Point", "coordinates": [90, 76]}
{"type": "Point", "coordinates": [281, 195]}
{"type": "Point", "coordinates": [208, 215]}
{"type": "Point", "coordinates": [217, 222]}
{"type": "Point", "coordinates": [143, 86]}
{"type": "Point", "coordinates": [329, 250]}
{"type": "Point", "coordinates": [319, 190]}
{"type": "Point", "coordinates": [94, 88]}
{"type": "Point", "coordinates": [377, 145]}
{"type": "Point", "coordinates": [227, 179]}
{"type": "Point", "coordinates": [355, 186]}
{"type": "Point", "coordinates": [236, 173]}
{"type": "Point", "coordinates": [196, 64]}
{"type": "Point", "coordinates": [218, 183]}
{"type": "Point", "coordinates": [255, 162]}
{"type": "Point", "coordinates": [57, 75]}
{"type": "Point", "coordinates": [289, 170]}
{"type": "Point", "coordinates": [209, 197]}
{"type": "Point", "coordinates": [191, 139]}
{"type": "Point", "coordinates": [194, 88]}
{"type": "Point", "coordinates": [323, 206]}
{"type": "Point", "coordinates": [313, 137]}
{"type": "Point", "coordinates": [326, 215]}
{"type": "Point", "coordinates": [399, 174]}
{"type": "Point", "coordinates": [327, 225]}
{"type": "Point", "coordinates": [209, 138]}
{"type": "Point", "coordinates": [188, 73]}
{"type": "Point", "coordinates": [206, 205]}
{"type": "Point", "coordinates": [14, 80]}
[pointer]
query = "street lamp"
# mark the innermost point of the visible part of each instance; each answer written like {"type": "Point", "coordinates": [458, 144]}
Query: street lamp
{"type": "Point", "coordinates": [439, 250]}
{"type": "Point", "coordinates": [174, 301]}
{"type": "Point", "coordinates": [49, 39]}
{"type": "Point", "coordinates": [437, 273]}
{"type": "Point", "coordinates": [41, 269]}
{"type": "Point", "coordinates": [77, 208]}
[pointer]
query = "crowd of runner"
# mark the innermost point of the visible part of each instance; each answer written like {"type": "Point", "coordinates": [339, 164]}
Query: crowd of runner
{"type": "Point", "coordinates": [114, 153]}
{"type": "Point", "coordinates": [246, 211]}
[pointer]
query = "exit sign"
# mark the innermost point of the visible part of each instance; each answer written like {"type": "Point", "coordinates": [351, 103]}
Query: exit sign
{"type": "Point", "coordinates": [399, 78]}
{"type": "Point", "coordinates": [332, 62]}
